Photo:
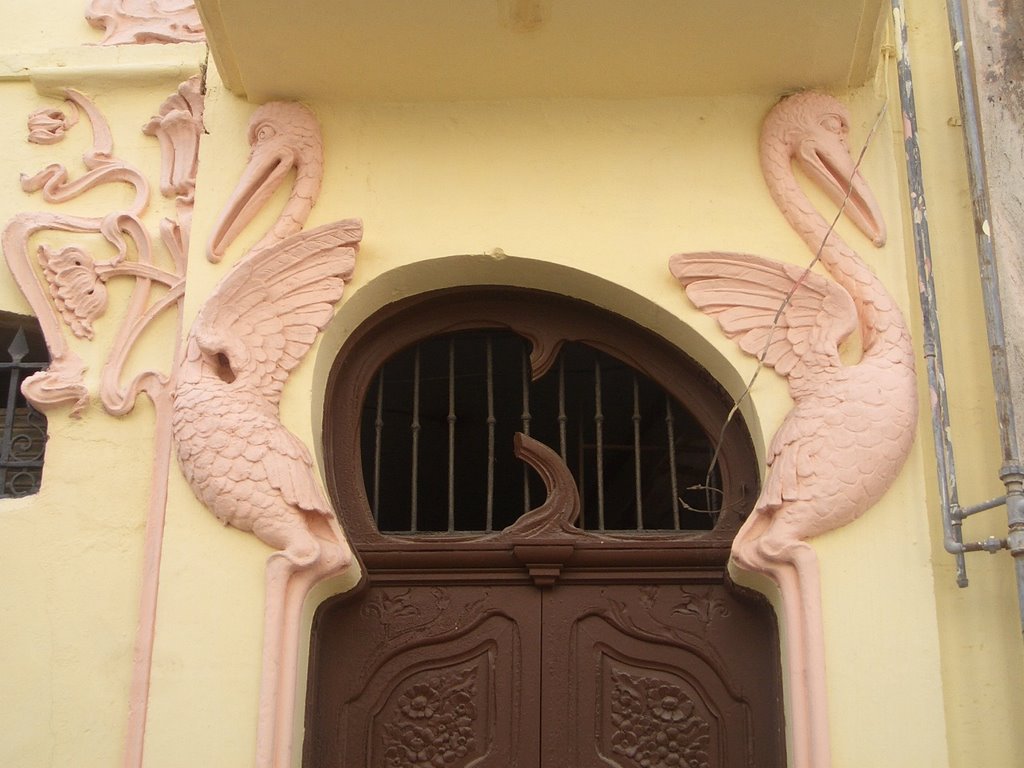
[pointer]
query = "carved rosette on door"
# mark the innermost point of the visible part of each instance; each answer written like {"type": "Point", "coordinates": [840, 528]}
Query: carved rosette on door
{"type": "Point", "coordinates": [550, 637]}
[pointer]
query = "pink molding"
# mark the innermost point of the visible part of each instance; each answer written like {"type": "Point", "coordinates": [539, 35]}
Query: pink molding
{"type": "Point", "coordinates": [146, 21]}
{"type": "Point", "coordinates": [254, 329]}
{"type": "Point", "coordinates": [177, 127]}
{"type": "Point", "coordinates": [851, 428]}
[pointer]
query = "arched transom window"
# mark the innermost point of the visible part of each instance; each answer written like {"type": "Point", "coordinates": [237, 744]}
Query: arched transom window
{"type": "Point", "coordinates": [426, 399]}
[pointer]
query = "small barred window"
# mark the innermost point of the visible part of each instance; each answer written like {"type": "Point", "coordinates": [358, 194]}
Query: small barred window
{"type": "Point", "coordinates": [24, 428]}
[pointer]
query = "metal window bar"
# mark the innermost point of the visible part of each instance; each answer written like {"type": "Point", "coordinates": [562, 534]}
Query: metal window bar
{"type": "Point", "coordinates": [415, 430]}
{"type": "Point", "coordinates": [491, 421]}
{"type": "Point", "coordinates": [599, 428]}
{"type": "Point", "coordinates": [562, 417]}
{"type": "Point", "coordinates": [670, 429]}
{"type": "Point", "coordinates": [525, 418]}
{"type": "Point", "coordinates": [451, 435]}
{"type": "Point", "coordinates": [378, 425]}
{"type": "Point", "coordinates": [582, 480]}
{"type": "Point", "coordinates": [24, 428]}
{"type": "Point", "coordinates": [636, 455]}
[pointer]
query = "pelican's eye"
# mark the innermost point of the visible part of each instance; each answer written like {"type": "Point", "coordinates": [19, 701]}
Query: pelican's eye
{"type": "Point", "coordinates": [833, 124]}
{"type": "Point", "coordinates": [265, 132]}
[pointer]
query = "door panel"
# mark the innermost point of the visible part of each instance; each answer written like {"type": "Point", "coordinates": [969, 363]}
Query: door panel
{"type": "Point", "coordinates": [656, 676]}
{"type": "Point", "coordinates": [428, 676]}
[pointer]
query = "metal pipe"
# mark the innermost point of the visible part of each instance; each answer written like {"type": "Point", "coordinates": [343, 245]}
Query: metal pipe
{"type": "Point", "coordinates": [944, 460]}
{"type": "Point", "coordinates": [1011, 473]}
{"type": "Point", "coordinates": [978, 179]}
{"type": "Point", "coordinates": [963, 512]}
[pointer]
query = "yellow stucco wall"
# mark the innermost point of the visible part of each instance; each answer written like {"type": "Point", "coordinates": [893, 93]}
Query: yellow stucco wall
{"type": "Point", "coordinates": [587, 197]}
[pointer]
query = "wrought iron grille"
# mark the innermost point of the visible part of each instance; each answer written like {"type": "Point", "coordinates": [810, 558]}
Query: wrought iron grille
{"type": "Point", "coordinates": [439, 418]}
{"type": "Point", "coordinates": [23, 441]}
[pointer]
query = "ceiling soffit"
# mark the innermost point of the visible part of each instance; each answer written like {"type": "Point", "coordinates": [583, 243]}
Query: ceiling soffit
{"type": "Point", "coordinates": [401, 50]}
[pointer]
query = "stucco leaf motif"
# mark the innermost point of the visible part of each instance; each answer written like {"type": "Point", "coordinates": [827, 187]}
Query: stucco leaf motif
{"type": "Point", "coordinates": [705, 608]}
{"type": "Point", "coordinates": [48, 125]}
{"type": "Point", "coordinates": [178, 126]}
{"type": "Point", "coordinates": [76, 287]}
{"type": "Point", "coordinates": [146, 21]}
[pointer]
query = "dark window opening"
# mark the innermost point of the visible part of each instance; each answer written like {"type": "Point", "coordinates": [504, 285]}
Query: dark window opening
{"type": "Point", "coordinates": [23, 439]}
{"type": "Point", "coordinates": [439, 418]}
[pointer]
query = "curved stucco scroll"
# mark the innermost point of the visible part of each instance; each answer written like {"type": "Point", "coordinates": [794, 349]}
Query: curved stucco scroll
{"type": "Point", "coordinates": [146, 21]}
{"type": "Point", "coordinates": [71, 287]}
{"type": "Point", "coordinates": [851, 428]}
{"type": "Point", "coordinates": [69, 275]}
{"type": "Point", "coordinates": [253, 330]}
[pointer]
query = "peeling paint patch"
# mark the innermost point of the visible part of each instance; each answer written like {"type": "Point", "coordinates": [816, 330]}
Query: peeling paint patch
{"type": "Point", "coordinates": [1002, 58]}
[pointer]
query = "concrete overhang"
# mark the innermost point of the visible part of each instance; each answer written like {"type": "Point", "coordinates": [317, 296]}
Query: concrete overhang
{"type": "Point", "coordinates": [400, 50]}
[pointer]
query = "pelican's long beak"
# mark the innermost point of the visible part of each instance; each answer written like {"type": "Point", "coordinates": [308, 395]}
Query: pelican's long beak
{"type": "Point", "coordinates": [826, 160]}
{"type": "Point", "coordinates": [265, 172]}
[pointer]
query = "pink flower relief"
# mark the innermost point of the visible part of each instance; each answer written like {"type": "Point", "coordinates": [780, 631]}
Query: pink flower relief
{"type": "Point", "coordinates": [77, 289]}
{"type": "Point", "coordinates": [48, 125]}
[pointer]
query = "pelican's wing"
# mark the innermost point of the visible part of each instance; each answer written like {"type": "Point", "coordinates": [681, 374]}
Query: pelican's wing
{"type": "Point", "coordinates": [744, 294]}
{"type": "Point", "coordinates": [271, 306]}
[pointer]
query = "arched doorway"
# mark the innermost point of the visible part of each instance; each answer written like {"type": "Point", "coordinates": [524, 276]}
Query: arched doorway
{"type": "Point", "coordinates": [576, 614]}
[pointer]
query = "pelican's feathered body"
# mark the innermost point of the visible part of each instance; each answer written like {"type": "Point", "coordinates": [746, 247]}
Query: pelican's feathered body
{"type": "Point", "coordinates": [253, 330]}
{"type": "Point", "coordinates": [242, 463]}
{"type": "Point", "coordinates": [851, 427]}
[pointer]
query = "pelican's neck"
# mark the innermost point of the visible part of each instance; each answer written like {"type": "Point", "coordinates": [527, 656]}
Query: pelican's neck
{"type": "Point", "coordinates": [880, 319]}
{"type": "Point", "coordinates": [305, 191]}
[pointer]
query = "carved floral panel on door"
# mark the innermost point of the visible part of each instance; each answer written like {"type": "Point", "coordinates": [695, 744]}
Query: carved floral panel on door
{"type": "Point", "coordinates": [651, 679]}
{"type": "Point", "coordinates": [431, 676]}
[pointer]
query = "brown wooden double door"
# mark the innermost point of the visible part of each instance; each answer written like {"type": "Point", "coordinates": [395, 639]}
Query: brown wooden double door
{"type": "Point", "coordinates": [653, 675]}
